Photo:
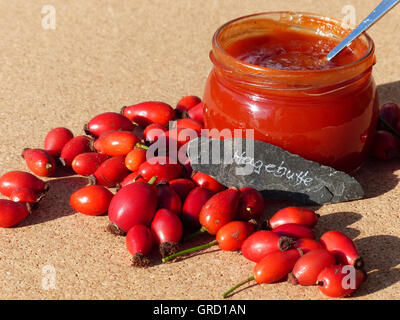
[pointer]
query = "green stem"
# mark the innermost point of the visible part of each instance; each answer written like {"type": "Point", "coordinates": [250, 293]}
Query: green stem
{"type": "Point", "coordinates": [237, 286]}
{"type": "Point", "coordinates": [152, 180]}
{"type": "Point", "coordinates": [139, 145]}
{"type": "Point", "coordinates": [198, 248]}
{"type": "Point", "coordinates": [389, 127]}
{"type": "Point", "coordinates": [195, 234]}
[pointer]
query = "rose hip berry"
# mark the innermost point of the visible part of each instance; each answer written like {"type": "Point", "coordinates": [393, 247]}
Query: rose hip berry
{"type": "Point", "coordinates": [167, 230]}
{"type": "Point", "coordinates": [56, 139]}
{"type": "Point", "coordinates": [295, 231]}
{"type": "Point", "coordinates": [307, 245]}
{"type": "Point", "coordinates": [262, 243]}
{"type": "Point", "coordinates": [135, 158]}
{"type": "Point", "coordinates": [116, 143]}
{"type": "Point", "coordinates": [39, 162]}
{"type": "Point", "coordinates": [111, 172]}
{"type": "Point", "coordinates": [306, 270]}
{"type": "Point", "coordinates": [132, 178]}
{"type": "Point", "coordinates": [196, 113]}
{"type": "Point", "coordinates": [11, 213]}
{"type": "Point", "coordinates": [108, 121]}
{"type": "Point", "coordinates": [192, 206]}
{"type": "Point", "coordinates": [342, 247]}
{"type": "Point", "coordinates": [139, 242]}
{"type": "Point", "coordinates": [149, 112]}
{"type": "Point", "coordinates": [163, 167]}
{"type": "Point", "coordinates": [13, 180]}
{"type": "Point", "coordinates": [133, 204]}
{"type": "Point", "coordinates": [219, 210]}
{"type": "Point", "coordinates": [384, 146]}
{"type": "Point", "coordinates": [208, 182]}
{"type": "Point", "coordinates": [272, 268]}
{"type": "Point", "coordinates": [169, 199]}
{"type": "Point", "coordinates": [294, 215]}
{"type": "Point", "coordinates": [390, 113]}
{"type": "Point", "coordinates": [251, 204]}
{"type": "Point", "coordinates": [229, 238]}
{"type": "Point", "coordinates": [86, 164]}
{"type": "Point", "coordinates": [186, 103]}
{"type": "Point", "coordinates": [153, 132]}
{"type": "Point", "coordinates": [74, 147]}
{"type": "Point", "coordinates": [330, 281]}
{"type": "Point", "coordinates": [91, 200]}
{"type": "Point", "coordinates": [24, 195]}
{"type": "Point", "coordinates": [182, 187]}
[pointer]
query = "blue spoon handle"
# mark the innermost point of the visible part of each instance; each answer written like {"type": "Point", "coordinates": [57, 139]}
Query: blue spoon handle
{"type": "Point", "coordinates": [374, 16]}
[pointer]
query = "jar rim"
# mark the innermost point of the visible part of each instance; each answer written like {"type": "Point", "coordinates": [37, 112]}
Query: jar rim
{"type": "Point", "coordinates": [219, 54]}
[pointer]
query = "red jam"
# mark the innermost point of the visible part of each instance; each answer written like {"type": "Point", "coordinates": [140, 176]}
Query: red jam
{"type": "Point", "coordinates": [290, 50]}
{"type": "Point", "coordinates": [270, 74]}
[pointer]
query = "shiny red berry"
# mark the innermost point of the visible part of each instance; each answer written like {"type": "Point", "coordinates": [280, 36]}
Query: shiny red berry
{"type": "Point", "coordinates": [11, 213]}
{"type": "Point", "coordinates": [149, 112]}
{"type": "Point", "coordinates": [111, 172]}
{"type": "Point", "coordinates": [133, 204]}
{"type": "Point", "coordinates": [167, 230]}
{"type": "Point", "coordinates": [40, 162]}
{"type": "Point", "coordinates": [74, 147]}
{"type": "Point", "coordinates": [56, 139]}
{"type": "Point", "coordinates": [139, 242]}
{"type": "Point", "coordinates": [91, 200]}
{"type": "Point", "coordinates": [87, 163]}
{"type": "Point", "coordinates": [108, 121]}
{"type": "Point", "coordinates": [13, 180]}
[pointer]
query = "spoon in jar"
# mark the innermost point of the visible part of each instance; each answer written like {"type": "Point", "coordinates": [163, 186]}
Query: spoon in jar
{"type": "Point", "coordinates": [374, 16]}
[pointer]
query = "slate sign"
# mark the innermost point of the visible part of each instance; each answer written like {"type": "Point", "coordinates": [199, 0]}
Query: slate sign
{"type": "Point", "coordinates": [276, 172]}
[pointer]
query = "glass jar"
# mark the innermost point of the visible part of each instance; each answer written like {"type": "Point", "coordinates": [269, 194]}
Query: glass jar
{"type": "Point", "coordinates": [328, 115]}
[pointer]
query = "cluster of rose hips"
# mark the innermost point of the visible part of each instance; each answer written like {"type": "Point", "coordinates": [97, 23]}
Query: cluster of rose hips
{"type": "Point", "coordinates": [159, 199]}
{"type": "Point", "coordinates": [287, 250]}
{"type": "Point", "coordinates": [386, 144]}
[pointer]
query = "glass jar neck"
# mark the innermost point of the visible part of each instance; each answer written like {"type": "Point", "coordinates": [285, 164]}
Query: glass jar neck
{"type": "Point", "coordinates": [235, 72]}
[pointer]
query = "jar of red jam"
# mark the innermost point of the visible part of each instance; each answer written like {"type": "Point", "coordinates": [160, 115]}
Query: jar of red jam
{"type": "Point", "coordinates": [270, 74]}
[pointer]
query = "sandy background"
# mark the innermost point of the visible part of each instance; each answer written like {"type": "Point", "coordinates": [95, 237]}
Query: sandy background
{"type": "Point", "coordinates": [104, 54]}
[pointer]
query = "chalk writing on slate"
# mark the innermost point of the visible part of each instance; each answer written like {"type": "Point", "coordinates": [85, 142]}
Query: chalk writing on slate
{"type": "Point", "coordinates": [276, 172]}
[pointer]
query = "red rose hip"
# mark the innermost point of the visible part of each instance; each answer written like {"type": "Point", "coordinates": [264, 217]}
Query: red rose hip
{"type": "Point", "coordinates": [149, 112]}
{"type": "Point", "coordinates": [167, 230]}
{"type": "Point", "coordinates": [116, 143]}
{"type": "Point", "coordinates": [342, 247]}
{"type": "Point", "coordinates": [74, 147]}
{"type": "Point", "coordinates": [139, 242]}
{"type": "Point", "coordinates": [334, 281]}
{"type": "Point", "coordinates": [262, 243]}
{"type": "Point", "coordinates": [251, 204]}
{"type": "Point", "coordinates": [39, 162]}
{"type": "Point", "coordinates": [24, 195]}
{"type": "Point", "coordinates": [13, 180]}
{"type": "Point", "coordinates": [133, 204]}
{"type": "Point", "coordinates": [11, 213]}
{"type": "Point", "coordinates": [208, 182]}
{"type": "Point", "coordinates": [108, 121]}
{"type": "Point", "coordinates": [56, 139]}
{"type": "Point", "coordinates": [219, 210]}
{"type": "Point", "coordinates": [294, 215]}
{"type": "Point", "coordinates": [111, 172]}
{"type": "Point", "coordinates": [169, 199]}
{"type": "Point", "coordinates": [91, 200]}
{"type": "Point", "coordinates": [295, 231]}
{"type": "Point", "coordinates": [306, 270]}
{"type": "Point", "coordinates": [86, 164]}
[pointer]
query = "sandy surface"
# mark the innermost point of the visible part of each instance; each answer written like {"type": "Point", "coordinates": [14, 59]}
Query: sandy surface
{"type": "Point", "coordinates": [104, 54]}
